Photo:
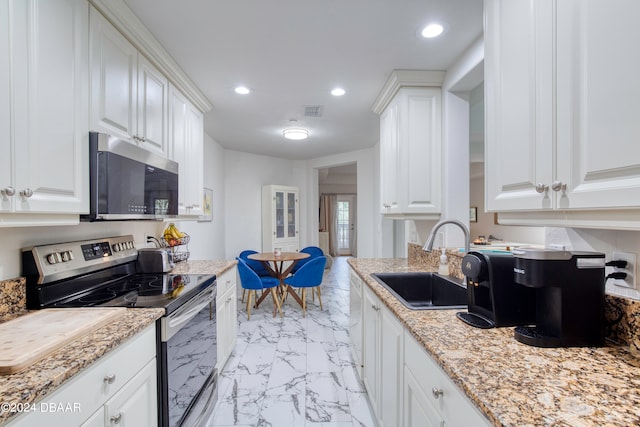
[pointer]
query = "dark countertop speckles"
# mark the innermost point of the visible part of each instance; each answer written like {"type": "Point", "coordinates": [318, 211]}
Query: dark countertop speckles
{"type": "Point", "coordinates": [514, 384]}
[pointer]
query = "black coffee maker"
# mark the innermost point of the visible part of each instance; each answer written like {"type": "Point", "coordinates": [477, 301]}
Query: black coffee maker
{"type": "Point", "coordinates": [493, 298]}
{"type": "Point", "coordinates": [569, 297]}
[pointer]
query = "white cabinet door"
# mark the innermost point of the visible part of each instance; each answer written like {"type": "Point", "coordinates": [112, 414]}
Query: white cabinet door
{"type": "Point", "coordinates": [371, 349]}
{"type": "Point", "coordinates": [389, 157]}
{"type": "Point", "coordinates": [420, 164]}
{"type": "Point", "coordinates": [598, 100]}
{"type": "Point", "coordinates": [410, 153]}
{"type": "Point", "coordinates": [96, 420]}
{"type": "Point", "coordinates": [418, 410]}
{"type": "Point", "coordinates": [391, 368]}
{"type": "Point", "coordinates": [519, 104]}
{"type": "Point", "coordinates": [383, 360]}
{"type": "Point", "coordinates": [6, 180]}
{"type": "Point", "coordinates": [153, 94]}
{"type": "Point", "coordinates": [136, 403]}
{"type": "Point", "coordinates": [355, 320]}
{"type": "Point", "coordinates": [114, 79]}
{"type": "Point", "coordinates": [50, 106]}
{"type": "Point", "coordinates": [194, 160]}
{"type": "Point", "coordinates": [226, 316]}
{"type": "Point", "coordinates": [186, 137]}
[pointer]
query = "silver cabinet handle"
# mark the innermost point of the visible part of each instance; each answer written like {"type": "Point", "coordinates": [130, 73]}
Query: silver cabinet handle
{"type": "Point", "coordinates": [8, 191]}
{"type": "Point", "coordinates": [558, 185]}
{"type": "Point", "coordinates": [26, 193]}
{"type": "Point", "coordinates": [541, 188]}
{"type": "Point", "coordinates": [109, 379]}
{"type": "Point", "coordinates": [115, 419]}
{"type": "Point", "coordinates": [437, 393]}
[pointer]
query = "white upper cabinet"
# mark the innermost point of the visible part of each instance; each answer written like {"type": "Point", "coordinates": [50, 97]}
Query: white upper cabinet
{"type": "Point", "coordinates": [44, 108]}
{"type": "Point", "coordinates": [562, 97]}
{"type": "Point", "coordinates": [186, 136]}
{"type": "Point", "coordinates": [598, 103]}
{"type": "Point", "coordinates": [129, 96]}
{"type": "Point", "coordinates": [519, 104]}
{"type": "Point", "coordinates": [6, 182]}
{"type": "Point", "coordinates": [411, 145]}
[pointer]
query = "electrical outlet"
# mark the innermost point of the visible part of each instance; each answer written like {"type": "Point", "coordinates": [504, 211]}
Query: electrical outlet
{"type": "Point", "coordinates": [630, 269]}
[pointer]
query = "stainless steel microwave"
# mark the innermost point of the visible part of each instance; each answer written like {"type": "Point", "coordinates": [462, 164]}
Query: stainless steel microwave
{"type": "Point", "coordinates": [127, 182]}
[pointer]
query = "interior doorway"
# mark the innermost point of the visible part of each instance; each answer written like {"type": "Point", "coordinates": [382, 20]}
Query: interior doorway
{"type": "Point", "coordinates": [337, 186]}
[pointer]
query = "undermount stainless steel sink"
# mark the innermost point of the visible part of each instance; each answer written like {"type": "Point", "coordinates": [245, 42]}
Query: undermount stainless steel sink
{"type": "Point", "coordinates": [424, 291]}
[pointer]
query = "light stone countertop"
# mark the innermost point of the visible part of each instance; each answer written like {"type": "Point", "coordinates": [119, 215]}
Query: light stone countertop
{"type": "Point", "coordinates": [45, 376]}
{"type": "Point", "coordinates": [216, 267]}
{"type": "Point", "coordinates": [514, 384]}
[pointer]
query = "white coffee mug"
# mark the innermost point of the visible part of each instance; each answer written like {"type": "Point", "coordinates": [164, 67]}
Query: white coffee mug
{"type": "Point", "coordinates": [277, 251]}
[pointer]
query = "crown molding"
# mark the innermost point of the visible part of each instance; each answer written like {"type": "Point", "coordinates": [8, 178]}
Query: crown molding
{"type": "Point", "coordinates": [123, 18]}
{"type": "Point", "coordinates": [406, 78]}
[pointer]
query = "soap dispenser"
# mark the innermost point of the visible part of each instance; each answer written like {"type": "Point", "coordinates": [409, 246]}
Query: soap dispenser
{"type": "Point", "coordinates": [443, 268]}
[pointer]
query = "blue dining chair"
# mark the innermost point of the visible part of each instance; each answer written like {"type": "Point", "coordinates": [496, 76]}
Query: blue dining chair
{"type": "Point", "coordinates": [308, 276]}
{"type": "Point", "coordinates": [256, 266]}
{"type": "Point", "coordinates": [313, 252]}
{"type": "Point", "coordinates": [250, 281]}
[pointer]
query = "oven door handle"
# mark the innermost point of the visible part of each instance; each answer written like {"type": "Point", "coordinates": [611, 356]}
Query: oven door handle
{"type": "Point", "coordinates": [184, 318]}
{"type": "Point", "coordinates": [192, 310]}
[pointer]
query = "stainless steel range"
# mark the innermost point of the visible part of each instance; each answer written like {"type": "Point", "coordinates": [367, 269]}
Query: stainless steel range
{"type": "Point", "coordinates": [104, 272]}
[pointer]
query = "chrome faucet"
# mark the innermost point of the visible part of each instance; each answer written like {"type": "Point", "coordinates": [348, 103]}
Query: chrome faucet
{"type": "Point", "coordinates": [428, 246]}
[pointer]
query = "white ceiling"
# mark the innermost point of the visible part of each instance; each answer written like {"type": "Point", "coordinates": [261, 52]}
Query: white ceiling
{"type": "Point", "coordinates": [293, 52]}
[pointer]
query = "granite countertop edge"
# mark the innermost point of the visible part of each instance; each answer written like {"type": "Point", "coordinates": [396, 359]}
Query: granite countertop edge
{"type": "Point", "coordinates": [553, 391]}
{"type": "Point", "coordinates": [31, 385]}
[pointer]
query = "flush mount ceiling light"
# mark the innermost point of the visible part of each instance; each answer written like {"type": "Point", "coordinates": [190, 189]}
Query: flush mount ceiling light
{"type": "Point", "coordinates": [242, 90]}
{"type": "Point", "coordinates": [338, 91]}
{"type": "Point", "coordinates": [432, 30]}
{"type": "Point", "coordinates": [295, 133]}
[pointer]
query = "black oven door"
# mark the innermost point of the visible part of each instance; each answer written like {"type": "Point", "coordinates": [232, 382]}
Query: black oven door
{"type": "Point", "coordinates": [188, 356]}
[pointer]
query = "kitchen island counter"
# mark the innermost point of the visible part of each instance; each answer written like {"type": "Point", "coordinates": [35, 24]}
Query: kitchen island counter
{"type": "Point", "coordinates": [514, 384]}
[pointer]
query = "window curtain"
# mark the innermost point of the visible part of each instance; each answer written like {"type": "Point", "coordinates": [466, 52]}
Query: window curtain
{"type": "Point", "coordinates": [329, 220]}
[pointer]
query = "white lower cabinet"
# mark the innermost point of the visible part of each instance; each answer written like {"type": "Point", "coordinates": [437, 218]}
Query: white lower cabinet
{"type": "Point", "coordinates": [118, 389]}
{"type": "Point", "coordinates": [430, 396]}
{"type": "Point", "coordinates": [226, 315]}
{"type": "Point", "coordinates": [355, 319]}
{"type": "Point", "coordinates": [382, 360]}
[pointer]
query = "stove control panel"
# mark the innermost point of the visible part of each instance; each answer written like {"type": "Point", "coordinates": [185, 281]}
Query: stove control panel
{"type": "Point", "coordinates": [96, 250]}
{"type": "Point", "coordinates": [63, 260]}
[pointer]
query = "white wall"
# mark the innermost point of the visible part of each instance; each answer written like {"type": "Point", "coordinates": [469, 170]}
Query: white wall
{"type": "Point", "coordinates": [245, 174]}
{"type": "Point", "coordinates": [208, 238]}
{"type": "Point", "coordinates": [606, 241]}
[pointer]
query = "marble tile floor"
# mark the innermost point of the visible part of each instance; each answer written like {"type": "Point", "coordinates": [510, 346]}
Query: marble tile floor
{"type": "Point", "coordinates": [295, 371]}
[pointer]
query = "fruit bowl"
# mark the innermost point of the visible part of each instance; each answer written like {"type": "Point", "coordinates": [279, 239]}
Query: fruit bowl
{"type": "Point", "coordinates": [171, 242]}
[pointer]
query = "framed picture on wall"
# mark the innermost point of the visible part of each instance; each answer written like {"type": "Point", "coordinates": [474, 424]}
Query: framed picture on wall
{"type": "Point", "coordinates": [207, 205]}
{"type": "Point", "coordinates": [473, 214]}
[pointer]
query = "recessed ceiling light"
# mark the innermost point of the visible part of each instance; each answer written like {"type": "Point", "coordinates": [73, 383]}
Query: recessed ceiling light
{"type": "Point", "coordinates": [338, 91]}
{"type": "Point", "coordinates": [242, 90]}
{"type": "Point", "coordinates": [432, 30]}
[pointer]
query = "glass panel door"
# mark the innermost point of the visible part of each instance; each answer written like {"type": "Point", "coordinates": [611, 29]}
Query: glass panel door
{"type": "Point", "coordinates": [291, 214]}
{"type": "Point", "coordinates": [279, 214]}
{"type": "Point", "coordinates": [344, 227]}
